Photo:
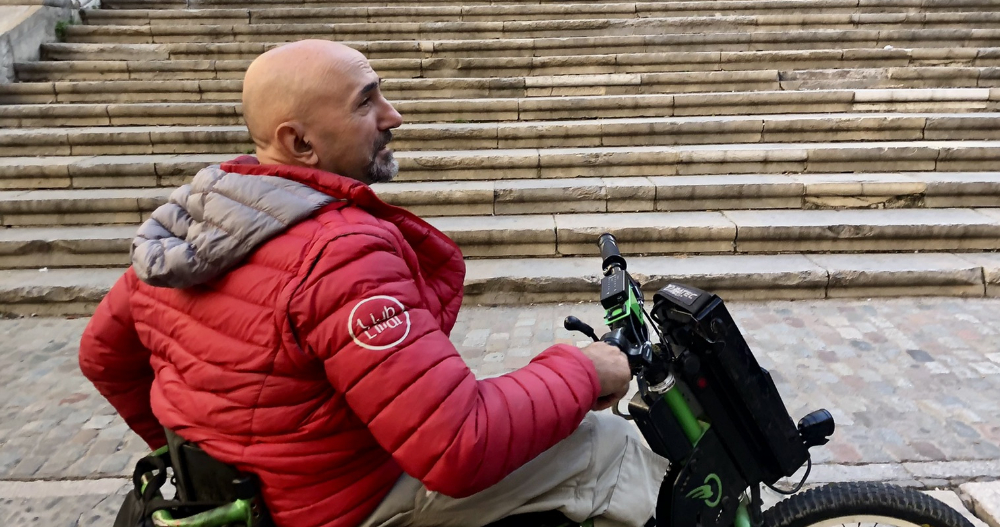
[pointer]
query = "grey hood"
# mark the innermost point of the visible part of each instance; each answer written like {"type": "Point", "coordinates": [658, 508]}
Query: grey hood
{"type": "Point", "coordinates": [212, 224]}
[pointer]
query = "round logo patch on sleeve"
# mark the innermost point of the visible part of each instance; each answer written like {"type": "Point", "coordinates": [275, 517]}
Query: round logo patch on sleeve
{"type": "Point", "coordinates": [378, 323]}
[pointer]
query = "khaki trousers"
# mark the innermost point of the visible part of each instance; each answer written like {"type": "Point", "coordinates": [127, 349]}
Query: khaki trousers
{"type": "Point", "coordinates": [601, 471]}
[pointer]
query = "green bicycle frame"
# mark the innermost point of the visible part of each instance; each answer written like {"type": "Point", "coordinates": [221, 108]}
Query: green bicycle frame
{"type": "Point", "coordinates": [682, 412]}
{"type": "Point", "coordinates": [693, 428]}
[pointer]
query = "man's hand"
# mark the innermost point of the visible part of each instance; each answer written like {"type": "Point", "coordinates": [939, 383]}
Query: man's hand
{"type": "Point", "coordinates": [613, 373]}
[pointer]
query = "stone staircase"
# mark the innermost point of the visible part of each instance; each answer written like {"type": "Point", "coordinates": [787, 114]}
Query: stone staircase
{"type": "Point", "coordinates": [760, 148]}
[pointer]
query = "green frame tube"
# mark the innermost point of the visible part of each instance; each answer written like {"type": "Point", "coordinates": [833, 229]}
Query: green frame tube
{"type": "Point", "coordinates": [679, 407]}
{"type": "Point", "coordinates": [742, 516]}
{"type": "Point", "coordinates": [694, 429]}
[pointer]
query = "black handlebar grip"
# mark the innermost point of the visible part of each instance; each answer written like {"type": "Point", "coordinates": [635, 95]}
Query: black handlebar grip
{"type": "Point", "coordinates": [609, 252]}
{"type": "Point", "coordinates": [616, 338]}
{"type": "Point", "coordinates": [608, 245]}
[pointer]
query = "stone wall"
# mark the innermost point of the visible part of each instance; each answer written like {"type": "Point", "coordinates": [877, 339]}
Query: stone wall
{"type": "Point", "coordinates": [26, 24]}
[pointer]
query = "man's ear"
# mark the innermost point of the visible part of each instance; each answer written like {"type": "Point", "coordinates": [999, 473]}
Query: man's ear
{"type": "Point", "coordinates": [290, 137]}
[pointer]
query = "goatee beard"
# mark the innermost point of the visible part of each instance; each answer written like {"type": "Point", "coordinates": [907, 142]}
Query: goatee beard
{"type": "Point", "coordinates": [382, 170]}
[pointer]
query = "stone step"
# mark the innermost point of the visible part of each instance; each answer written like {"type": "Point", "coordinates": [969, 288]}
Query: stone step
{"type": "Point", "coordinates": [738, 277]}
{"type": "Point", "coordinates": [647, 233]}
{"type": "Point", "coordinates": [773, 30]}
{"type": "Point", "coordinates": [149, 59]}
{"type": "Point", "coordinates": [697, 193]}
{"type": "Point", "coordinates": [619, 132]}
{"type": "Point", "coordinates": [546, 46]}
{"type": "Point", "coordinates": [771, 231]}
{"type": "Point", "coordinates": [110, 68]}
{"type": "Point", "coordinates": [269, 31]}
{"type": "Point", "coordinates": [56, 292]}
{"type": "Point", "coordinates": [215, 4]}
{"type": "Point", "coordinates": [60, 292]}
{"type": "Point", "coordinates": [119, 92]}
{"type": "Point", "coordinates": [812, 158]}
{"type": "Point", "coordinates": [80, 114]}
{"type": "Point", "coordinates": [511, 12]}
{"type": "Point", "coordinates": [79, 207]}
{"type": "Point", "coordinates": [32, 208]}
{"type": "Point", "coordinates": [534, 108]}
{"type": "Point", "coordinates": [90, 246]}
{"type": "Point", "coordinates": [233, 4]}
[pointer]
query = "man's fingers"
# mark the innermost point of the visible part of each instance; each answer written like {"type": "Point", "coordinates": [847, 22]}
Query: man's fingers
{"type": "Point", "coordinates": [603, 403]}
{"type": "Point", "coordinates": [621, 391]}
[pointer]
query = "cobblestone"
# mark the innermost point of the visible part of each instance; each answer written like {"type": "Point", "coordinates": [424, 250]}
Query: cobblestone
{"type": "Point", "coordinates": [906, 379]}
{"type": "Point", "coordinates": [911, 383]}
{"type": "Point", "coordinates": [89, 510]}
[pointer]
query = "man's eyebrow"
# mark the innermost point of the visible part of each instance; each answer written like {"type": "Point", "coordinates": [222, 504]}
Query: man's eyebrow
{"type": "Point", "coordinates": [369, 87]}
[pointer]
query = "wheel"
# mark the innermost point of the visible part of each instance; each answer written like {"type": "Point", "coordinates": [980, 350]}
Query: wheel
{"type": "Point", "coordinates": [863, 505]}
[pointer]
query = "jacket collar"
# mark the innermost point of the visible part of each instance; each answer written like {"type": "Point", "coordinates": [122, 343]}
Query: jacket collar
{"type": "Point", "coordinates": [333, 185]}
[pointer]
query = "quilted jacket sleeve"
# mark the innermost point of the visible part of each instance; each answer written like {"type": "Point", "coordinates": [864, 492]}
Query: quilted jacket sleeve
{"type": "Point", "coordinates": [112, 357]}
{"type": "Point", "coordinates": [360, 311]}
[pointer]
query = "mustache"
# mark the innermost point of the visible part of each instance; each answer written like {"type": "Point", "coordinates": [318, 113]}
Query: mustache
{"type": "Point", "coordinates": [383, 141]}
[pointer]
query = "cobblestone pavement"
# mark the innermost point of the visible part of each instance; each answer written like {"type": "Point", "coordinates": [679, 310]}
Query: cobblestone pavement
{"type": "Point", "coordinates": [914, 385]}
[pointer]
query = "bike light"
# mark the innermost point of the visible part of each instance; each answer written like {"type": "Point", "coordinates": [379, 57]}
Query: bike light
{"type": "Point", "coordinates": [816, 428]}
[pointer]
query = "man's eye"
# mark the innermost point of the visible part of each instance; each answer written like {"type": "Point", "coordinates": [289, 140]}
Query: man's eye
{"type": "Point", "coordinates": [366, 102]}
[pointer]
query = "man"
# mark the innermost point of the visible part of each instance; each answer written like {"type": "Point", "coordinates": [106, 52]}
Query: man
{"type": "Point", "coordinates": [282, 317]}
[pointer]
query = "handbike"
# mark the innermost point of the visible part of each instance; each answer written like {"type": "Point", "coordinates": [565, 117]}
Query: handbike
{"type": "Point", "coordinates": [706, 405]}
{"type": "Point", "coordinates": [703, 402]}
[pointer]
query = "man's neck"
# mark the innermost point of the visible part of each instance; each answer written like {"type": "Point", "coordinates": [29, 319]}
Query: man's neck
{"type": "Point", "coordinates": [265, 158]}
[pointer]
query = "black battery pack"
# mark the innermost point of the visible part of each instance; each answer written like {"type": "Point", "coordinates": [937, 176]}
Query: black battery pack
{"type": "Point", "coordinates": [738, 396]}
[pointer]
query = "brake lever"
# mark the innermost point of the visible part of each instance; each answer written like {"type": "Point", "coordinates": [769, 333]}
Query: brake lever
{"type": "Point", "coordinates": [574, 324]}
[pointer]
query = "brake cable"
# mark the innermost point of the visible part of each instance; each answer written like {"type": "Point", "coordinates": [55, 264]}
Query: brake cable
{"type": "Point", "coordinates": [798, 487]}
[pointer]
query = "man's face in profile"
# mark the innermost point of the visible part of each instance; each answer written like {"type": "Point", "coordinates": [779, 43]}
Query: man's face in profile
{"type": "Point", "coordinates": [319, 104]}
{"type": "Point", "coordinates": [357, 129]}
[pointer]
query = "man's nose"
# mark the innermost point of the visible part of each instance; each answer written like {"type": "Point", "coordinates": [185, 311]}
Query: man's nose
{"type": "Point", "coordinates": [390, 118]}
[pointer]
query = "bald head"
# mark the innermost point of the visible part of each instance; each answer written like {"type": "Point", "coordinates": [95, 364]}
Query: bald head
{"type": "Point", "coordinates": [285, 82]}
{"type": "Point", "coordinates": [317, 103]}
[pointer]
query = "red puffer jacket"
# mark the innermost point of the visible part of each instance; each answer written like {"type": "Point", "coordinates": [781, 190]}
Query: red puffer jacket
{"type": "Point", "coordinates": [298, 329]}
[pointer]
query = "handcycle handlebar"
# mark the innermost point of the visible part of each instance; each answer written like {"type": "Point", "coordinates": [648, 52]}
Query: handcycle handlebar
{"type": "Point", "coordinates": [610, 254]}
{"type": "Point", "coordinates": [701, 347]}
